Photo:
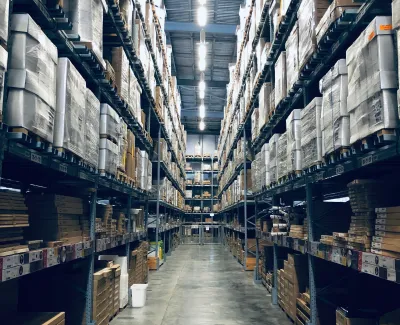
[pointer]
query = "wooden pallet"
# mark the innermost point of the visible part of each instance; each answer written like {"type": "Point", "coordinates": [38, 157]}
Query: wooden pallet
{"type": "Point", "coordinates": [67, 155]}
{"type": "Point", "coordinates": [313, 168]}
{"type": "Point", "coordinates": [336, 156]}
{"type": "Point", "coordinates": [374, 141]}
{"type": "Point", "coordinates": [31, 139]}
{"type": "Point", "coordinates": [107, 175]}
{"type": "Point", "coordinates": [6, 251]}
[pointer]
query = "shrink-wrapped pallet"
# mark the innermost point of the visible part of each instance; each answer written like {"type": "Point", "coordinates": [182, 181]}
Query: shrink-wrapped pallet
{"type": "Point", "coordinates": [334, 115]}
{"type": "Point", "coordinates": [92, 129]}
{"type": "Point", "coordinates": [311, 133]}
{"type": "Point", "coordinates": [275, 16]}
{"type": "Point", "coordinates": [273, 158]}
{"type": "Point", "coordinates": [69, 122]}
{"type": "Point", "coordinates": [373, 82]}
{"type": "Point", "coordinates": [256, 172]}
{"type": "Point", "coordinates": [265, 151]}
{"type": "Point", "coordinates": [280, 78]}
{"type": "Point", "coordinates": [281, 157]}
{"type": "Point", "coordinates": [264, 104]}
{"type": "Point", "coordinates": [122, 145]}
{"type": "Point", "coordinates": [32, 71]}
{"type": "Point", "coordinates": [4, 13]}
{"type": "Point", "coordinates": [134, 95]}
{"type": "Point", "coordinates": [3, 69]}
{"type": "Point", "coordinates": [292, 58]}
{"type": "Point", "coordinates": [254, 125]}
{"type": "Point", "coordinates": [120, 63]}
{"type": "Point", "coordinates": [109, 123]}
{"type": "Point", "coordinates": [293, 130]}
{"type": "Point", "coordinates": [87, 21]}
{"type": "Point", "coordinates": [309, 14]}
{"type": "Point", "coordinates": [108, 157]}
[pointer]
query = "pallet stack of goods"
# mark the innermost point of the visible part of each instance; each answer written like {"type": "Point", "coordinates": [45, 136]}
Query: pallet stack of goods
{"type": "Point", "coordinates": [373, 82]}
{"type": "Point", "coordinates": [34, 318]}
{"type": "Point", "coordinates": [4, 22]}
{"type": "Point", "coordinates": [103, 296]}
{"type": "Point", "coordinates": [303, 311]}
{"type": "Point", "coordinates": [57, 219]}
{"type": "Point", "coordinates": [104, 213]}
{"type": "Point", "coordinates": [14, 219]}
{"type": "Point", "coordinates": [293, 154]}
{"type": "Point", "coordinates": [138, 267]}
{"type": "Point", "coordinates": [387, 232]}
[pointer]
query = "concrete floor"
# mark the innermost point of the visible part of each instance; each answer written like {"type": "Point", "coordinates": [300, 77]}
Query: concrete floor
{"type": "Point", "coordinates": [203, 285]}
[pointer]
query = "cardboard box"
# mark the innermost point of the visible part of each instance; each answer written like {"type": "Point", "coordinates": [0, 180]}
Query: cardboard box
{"type": "Point", "coordinates": [280, 78]}
{"type": "Point", "coordinates": [341, 319]}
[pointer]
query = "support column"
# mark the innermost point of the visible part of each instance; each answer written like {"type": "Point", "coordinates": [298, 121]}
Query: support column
{"type": "Point", "coordinates": [158, 197]}
{"type": "Point", "coordinates": [128, 215]}
{"type": "Point", "coordinates": [275, 286]}
{"type": "Point", "coordinates": [245, 198]}
{"type": "Point", "coordinates": [257, 279]}
{"type": "Point", "coordinates": [311, 265]}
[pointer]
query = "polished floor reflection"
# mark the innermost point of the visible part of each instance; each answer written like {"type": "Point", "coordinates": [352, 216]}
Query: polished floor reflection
{"type": "Point", "coordinates": [203, 285]}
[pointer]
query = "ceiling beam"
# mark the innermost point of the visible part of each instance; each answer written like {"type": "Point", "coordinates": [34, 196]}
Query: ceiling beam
{"type": "Point", "coordinates": [190, 27]}
{"type": "Point", "coordinates": [195, 83]}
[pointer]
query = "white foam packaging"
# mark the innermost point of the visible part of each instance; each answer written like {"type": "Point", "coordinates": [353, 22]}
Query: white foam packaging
{"type": "Point", "coordinates": [69, 122]}
{"type": "Point", "coordinates": [273, 158]}
{"type": "Point", "coordinates": [108, 156]}
{"type": "Point", "coordinates": [281, 158]}
{"type": "Point", "coordinates": [32, 71]}
{"type": "Point", "coordinates": [293, 130]}
{"type": "Point", "coordinates": [92, 129]}
{"type": "Point", "coordinates": [109, 122]}
{"type": "Point", "coordinates": [264, 104]}
{"type": "Point", "coordinates": [292, 58]}
{"type": "Point", "coordinates": [280, 78]}
{"type": "Point", "coordinates": [311, 133]}
{"type": "Point", "coordinates": [87, 21]}
{"type": "Point", "coordinates": [373, 80]}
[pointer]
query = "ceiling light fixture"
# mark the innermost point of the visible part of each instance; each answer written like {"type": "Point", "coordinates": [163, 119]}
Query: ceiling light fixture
{"type": "Point", "coordinates": [202, 110]}
{"type": "Point", "coordinates": [202, 50]}
{"type": "Point", "coordinates": [202, 125]}
{"type": "Point", "coordinates": [202, 94]}
{"type": "Point", "coordinates": [202, 16]}
{"type": "Point", "coordinates": [202, 2]}
{"type": "Point", "coordinates": [202, 64]}
{"type": "Point", "coordinates": [202, 85]}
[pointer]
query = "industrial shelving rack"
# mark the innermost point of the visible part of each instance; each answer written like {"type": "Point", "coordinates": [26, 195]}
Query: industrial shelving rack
{"type": "Point", "coordinates": [213, 186]}
{"type": "Point", "coordinates": [25, 167]}
{"type": "Point", "coordinates": [382, 160]}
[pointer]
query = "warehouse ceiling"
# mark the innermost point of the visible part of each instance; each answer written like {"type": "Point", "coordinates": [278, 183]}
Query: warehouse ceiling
{"type": "Point", "coordinates": [183, 34]}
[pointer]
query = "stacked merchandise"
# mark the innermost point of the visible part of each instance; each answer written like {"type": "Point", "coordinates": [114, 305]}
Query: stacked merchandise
{"type": "Point", "coordinates": [138, 268]}
{"type": "Point", "coordinates": [109, 135]}
{"type": "Point", "coordinates": [387, 232]}
{"type": "Point", "coordinates": [143, 170]}
{"type": "Point", "coordinates": [281, 287]}
{"type": "Point", "coordinates": [3, 70]}
{"type": "Point", "coordinates": [280, 79]}
{"type": "Point", "coordinates": [121, 221]}
{"type": "Point", "coordinates": [309, 14]}
{"type": "Point", "coordinates": [69, 121]}
{"type": "Point", "coordinates": [373, 83]}
{"type": "Point", "coordinates": [264, 104]}
{"type": "Point", "coordinates": [279, 222]}
{"type": "Point", "coordinates": [273, 159]}
{"type": "Point", "coordinates": [104, 213]}
{"type": "Point", "coordinates": [293, 130]}
{"type": "Point", "coordinates": [87, 21]}
{"type": "Point", "coordinates": [311, 134]}
{"type": "Point", "coordinates": [335, 120]}
{"type": "Point", "coordinates": [120, 63]}
{"type": "Point", "coordinates": [122, 146]}
{"type": "Point", "coordinates": [292, 58]}
{"type": "Point", "coordinates": [102, 296]}
{"type": "Point", "coordinates": [137, 216]}
{"type": "Point", "coordinates": [57, 218]}
{"type": "Point", "coordinates": [31, 79]}
{"type": "Point", "coordinates": [303, 309]}
{"type": "Point", "coordinates": [254, 125]}
{"type": "Point", "coordinates": [13, 219]}
{"type": "Point", "coordinates": [295, 281]}
{"type": "Point", "coordinates": [92, 130]}
{"type": "Point", "coordinates": [115, 288]}
{"type": "Point", "coordinates": [130, 157]}
{"type": "Point", "coordinates": [4, 14]}
{"type": "Point", "coordinates": [134, 97]}
{"type": "Point", "coordinates": [296, 231]}
{"type": "Point", "coordinates": [365, 197]}
{"type": "Point", "coordinates": [256, 179]}
{"type": "Point", "coordinates": [305, 228]}
{"type": "Point", "coordinates": [35, 318]}
{"type": "Point", "coordinates": [281, 158]}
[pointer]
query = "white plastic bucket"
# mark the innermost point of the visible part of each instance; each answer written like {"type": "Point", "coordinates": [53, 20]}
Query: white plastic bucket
{"type": "Point", "coordinates": [138, 292]}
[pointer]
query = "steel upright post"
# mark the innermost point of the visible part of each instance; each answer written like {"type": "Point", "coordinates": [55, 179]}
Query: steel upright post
{"type": "Point", "coordinates": [89, 286]}
{"type": "Point", "coordinates": [256, 271]}
{"type": "Point", "coordinates": [275, 286]}
{"type": "Point", "coordinates": [311, 266]}
{"type": "Point", "coordinates": [245, 197]}
{"type": "Point", "coordinates": [158, 196]}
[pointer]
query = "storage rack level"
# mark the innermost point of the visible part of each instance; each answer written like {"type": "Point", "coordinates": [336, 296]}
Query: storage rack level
{"type": "Point", "coordinates": [201, 233]}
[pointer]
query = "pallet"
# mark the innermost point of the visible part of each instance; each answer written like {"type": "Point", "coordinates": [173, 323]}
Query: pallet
{"type": "Point", "coordinates": [18, 249]}
{"type": "Point", "coordinates": [88, 166]}
{"type": "Point", "coordinates": [336, 156]}
{"type": "Point", "coordinates": [189, 156]}
{"type": "Point", "coordinates": [123, 178]}
{"type": "Point", "coordinates": [29, 138]}
{"type": "Point", "coordinates": [313, 168]}
{"type": "Point", "coordinates": [374, 141]}
{"type": "Point", "coordinates": [67, 155]}
{"type": "Point", "coordinates": [57, 243]}
{"type": "Point", "coordinates": [107, 175]}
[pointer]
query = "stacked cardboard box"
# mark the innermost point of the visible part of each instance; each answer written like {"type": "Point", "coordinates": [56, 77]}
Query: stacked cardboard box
{"type": "Point", "coordinates": [122, 146]}
{"type": "Point", "coordinates": [91, 129]}
{"type": "Point", "coordinates": [255, 130]}
{"type": "Point", "coordinates": [57, 218]}
{"type": "Point", "coordinates": [130, 156]}
{"type": "Point", "coordinates": [296, 231]}
{"type": "Point", "coordinates": [34, 318]}
{"type": "Point", "coordinates": [273, 159]}
{"type": "Point", "coordinates": [281, 157]}
{"type": "Point", "coordinates": [280, 79]}
{"type": "Point", "coordinates": [342, 318]}
{"type": "Point", "coordinates": [115, 287]}
{"type": "Point", "coordinates": [4, 21]}
{"type": "Point", "coordinates": [373, 81]}
{"type": "Point", "coordinates": [138, 267]}
{"type": "Point", "coordinates": [387, 232]}
{"type": "Point", "coordinates": [293, 152]}
{"type": "Point", "coordinates": [104, 213]}
{"type": "Point", "coordinates": [292, 58]}
{"type": "Point", "coordinates": [103, 298]}
{"type": "Point", "coordinates": [120, 63]}
{"type": "Point", "coordinates": [295, 281]}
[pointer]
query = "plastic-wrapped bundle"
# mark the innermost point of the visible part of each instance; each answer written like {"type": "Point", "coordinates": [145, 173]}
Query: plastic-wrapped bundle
{"type": "Point", "coordinates": [275, 15]}
{"type": "Point", "coordinates": [396, 14]}
{"type": "Point", "coordinates": [4, 13]}
{"type": "Point", "coordinates": [134, 95]}
{"type": "Point", "coordinates": [3, 69]}
{"type": "Point", "coordinates": [109, 122]}
{"type": "Point", "coordinates": [372, 102]}
{"type": "Point", "coordinates": [293, 130]}
{"type": "Point", "coordinates": [311, 133]}
{"type": "Point", "coordinates": [265, 150]}
{"type": "Point", "coordinates": [92, 129]}
{"type": "Point", "coordinates": [264, 104]}
{"type": "Point", "coordinates": [334, 115]}
{"type": "Point", "coordinates": [122, 145]}
{"type": "Point", "coordinates": [309, 14]}
{"type": "Point", "coordinates": [256, 176]}
{"type": "Point", "coordinates": [31, 78]}
{"type": "Point", "coordinates": [292, 58]}
{"type": "Point", "coordinates": [273, 158]}
{"type": "Point", "coordinates": [280, 78]}
{"type": "Point", "coordinates": [281, 157]}
{"type": "Point", "coordinates": [254, 124]}
{"type": "Point", "coordinates": [108, 157]}
{"type": "Point", "coordinates": [69, 122]}
{"type": "Point", "coordinates": [120, 63]}
{"type": "Point", "coordinates": [87, 21]}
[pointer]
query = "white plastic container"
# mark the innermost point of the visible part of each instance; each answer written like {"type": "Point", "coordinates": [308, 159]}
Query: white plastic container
{"type": "Point", "coordinates": [138, 292]}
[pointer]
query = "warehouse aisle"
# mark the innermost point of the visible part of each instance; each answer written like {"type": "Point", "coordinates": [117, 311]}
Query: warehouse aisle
{"type": "Point", "coordinates": [203, 285]}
